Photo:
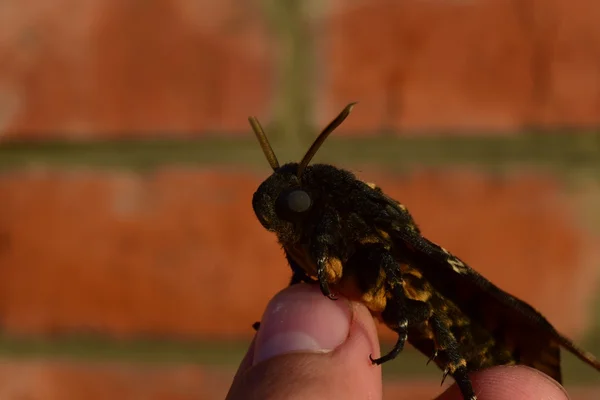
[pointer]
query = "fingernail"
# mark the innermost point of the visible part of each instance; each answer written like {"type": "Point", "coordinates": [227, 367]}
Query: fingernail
{"type": "Point", "coordinates": [302, 319]}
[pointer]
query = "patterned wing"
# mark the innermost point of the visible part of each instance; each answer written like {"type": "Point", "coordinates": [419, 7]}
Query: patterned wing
{"type": "Point", "coordinates": [515, 326]}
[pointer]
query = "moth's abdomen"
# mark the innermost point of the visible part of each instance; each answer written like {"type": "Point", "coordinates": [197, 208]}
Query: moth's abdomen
{"type": "Point", "coordinates": [483, 340]}
{"type": "Point", "coordinates": [374, 297]}
{"type": "Point", "coordinates": [476, 346]}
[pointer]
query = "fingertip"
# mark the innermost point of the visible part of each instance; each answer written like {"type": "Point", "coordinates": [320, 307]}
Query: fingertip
{"type": "Point", "coordinates": [353, 357]}
{"type": "Point", "coordinates": [309, 346]}
{"type": "Point", "coordinates": [301, 319]}
{"type": "Point", "coordinates": [363, 340]}
{"type": "Point", "coordinates": [511, 383]}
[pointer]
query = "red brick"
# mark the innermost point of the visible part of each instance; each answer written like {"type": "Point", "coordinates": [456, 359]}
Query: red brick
{"type": "Point", "coordinates": [101, 381]}
{"type": "Point", "coordinates": [68, 380]}
{"type": "Point", "coordinates": [131, 68]}
{"type": "Point", "coordinates": [179, 252]}
{"type": "Point", "coordinates": [491, 65]}
{"type": "Point", "coordinates": [177, 68]}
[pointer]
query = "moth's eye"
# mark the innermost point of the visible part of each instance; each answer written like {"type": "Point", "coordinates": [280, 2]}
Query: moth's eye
{"type": "Point", "coordinates": [292, 203]}
{"type": "Point", "coordinates": [298, 201]}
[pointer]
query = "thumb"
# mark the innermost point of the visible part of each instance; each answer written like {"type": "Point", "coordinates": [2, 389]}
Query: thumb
{"type": "Point", "coordinates": [311, 347]}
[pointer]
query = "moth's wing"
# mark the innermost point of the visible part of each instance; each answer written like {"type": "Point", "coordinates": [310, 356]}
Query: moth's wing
{"type": "Point", "coordinates": [532, 340]}
{"type": "Point", "coordinates": [522, 330]}
{"type": "Point", "coordinates": [538, 348]}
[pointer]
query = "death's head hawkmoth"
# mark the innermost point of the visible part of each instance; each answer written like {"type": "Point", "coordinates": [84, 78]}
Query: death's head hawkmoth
{"type": "Point", "coordinates": [350, 238]}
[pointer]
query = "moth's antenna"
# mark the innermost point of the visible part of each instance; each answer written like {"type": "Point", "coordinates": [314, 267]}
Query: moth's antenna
{"type": "Point", "coordinates": [264, 142]}
{"type": "Point", "coordinates": [322, 136]}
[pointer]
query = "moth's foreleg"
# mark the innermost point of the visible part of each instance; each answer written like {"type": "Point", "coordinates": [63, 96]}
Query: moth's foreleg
{"type": "Point", "coordinates": [298, 274]}
{"type": "Point", "coordinates": [296, 278]}
{"type": "Point", "coordinates": [322, 249]}
{"type": "Point", "coordinates": [457, 365]}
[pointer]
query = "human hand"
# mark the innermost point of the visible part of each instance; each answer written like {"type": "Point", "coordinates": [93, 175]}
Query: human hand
{"type": "Point", "coordinates": [310, 347]}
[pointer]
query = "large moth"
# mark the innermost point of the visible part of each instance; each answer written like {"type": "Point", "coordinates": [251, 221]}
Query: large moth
{"type": "Point", "coordinates": [350, 238]}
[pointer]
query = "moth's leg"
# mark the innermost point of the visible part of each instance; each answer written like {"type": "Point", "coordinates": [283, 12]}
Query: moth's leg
{"type": "Point", "coordinates": [401, 312]}
{"type": "Point", "coordinates": [296, 278]}
{"type": "Point", "coordinates": [298, 274]}
{"type": "Point", "coordinates": [395, 314]}
{"type": "Point", "coordinates": [457, 365]}
{"type": "Point", "coordinates": [402, 331]}
{"type": "Point", "coordinates": [322, 250]}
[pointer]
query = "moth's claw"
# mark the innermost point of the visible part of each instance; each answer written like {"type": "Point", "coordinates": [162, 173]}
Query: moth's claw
{"type": "Point", "coordinates": [325, 290]}
{"type": "Point", "coordinates": [375, 361]}
{"type": "Point", "coordinates": [433, 356]}
{"type": "Point", "coordinates": [256, 325]}
{"type": "Point", "coordinates": [446, 372]}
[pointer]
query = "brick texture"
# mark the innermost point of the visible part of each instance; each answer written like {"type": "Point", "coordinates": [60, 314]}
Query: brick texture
{"type": "Point", "coordinates": [131, 69]}
{"type": "Point", "coordinates": [178, 252]}
{"type": "Point", "coordinates": [102, 381]}
{"type": "Point", "coordinates": [99, 381]}
{"type": "Point", "coordinates": [461, 65]}
{"type": "Point", "coordinates": [176, 68]}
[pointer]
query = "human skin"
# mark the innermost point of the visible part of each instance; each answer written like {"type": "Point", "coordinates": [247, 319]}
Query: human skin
{"type": "Point", "coordinates": [310, 347]}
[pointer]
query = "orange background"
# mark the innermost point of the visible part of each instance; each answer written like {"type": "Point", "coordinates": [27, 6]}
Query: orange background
{"type": "Point", "coordinates": [94, 247]}
{"type": "Point", "coordinates": [86, 69]}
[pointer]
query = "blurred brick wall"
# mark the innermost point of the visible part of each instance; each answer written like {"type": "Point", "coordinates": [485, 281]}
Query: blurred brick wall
{"type": "Point", "coordinates": [111, 68]}
{"type": "Point", "coordinates": [77, 69]}
{"type": "Point", "coordinates": [179, 252]}
{"type": "Point", "coordinates": [462, 65]}
{"type": "Point", "coordinates": [79, 380]}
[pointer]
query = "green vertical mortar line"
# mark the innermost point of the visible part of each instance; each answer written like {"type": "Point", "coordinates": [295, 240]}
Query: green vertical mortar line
{"type": "Point", "coordinates": [290, 23]}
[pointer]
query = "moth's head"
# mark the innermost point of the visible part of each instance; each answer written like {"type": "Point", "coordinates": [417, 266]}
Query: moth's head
{"type": "Point", "coordinates": [283, 201]}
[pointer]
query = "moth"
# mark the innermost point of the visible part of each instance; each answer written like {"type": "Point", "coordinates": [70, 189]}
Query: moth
{"type": "Point", "coordinates": [350, 238]}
